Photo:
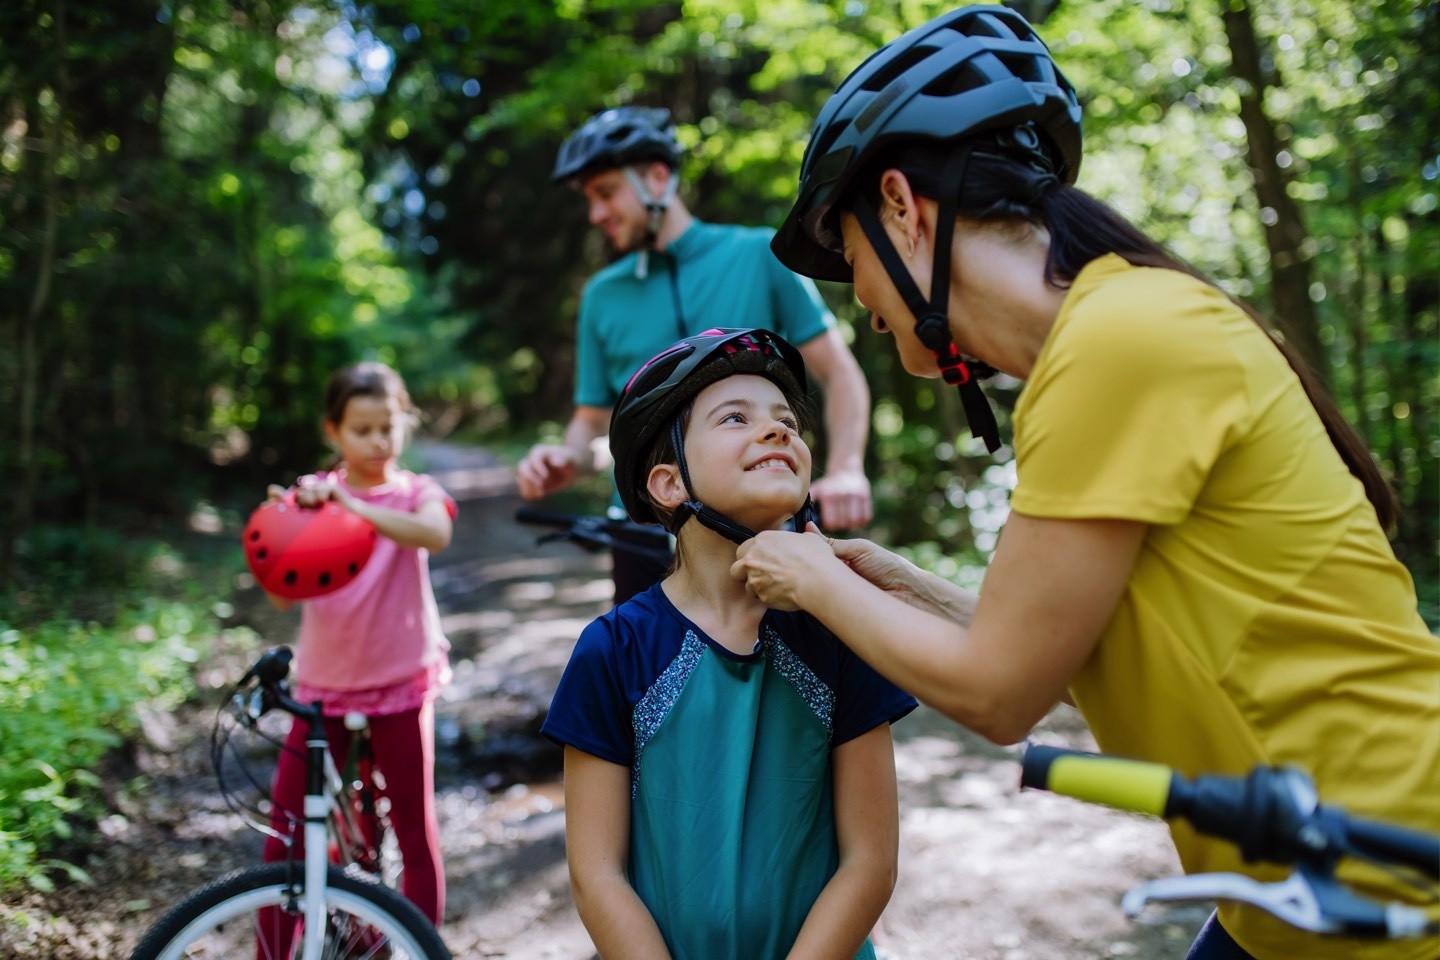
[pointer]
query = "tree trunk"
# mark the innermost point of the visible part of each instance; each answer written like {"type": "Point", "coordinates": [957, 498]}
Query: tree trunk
{"type": "Point", "coordinates": [23, 502]}
{"type": "Point", "coordinates": [1285, 233]}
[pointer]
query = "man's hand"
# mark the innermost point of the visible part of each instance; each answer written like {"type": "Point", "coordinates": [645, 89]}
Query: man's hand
{"type": "Point", "coordinates": [548, 468]}
{"type": "Point", "coordinates": [843, 499]}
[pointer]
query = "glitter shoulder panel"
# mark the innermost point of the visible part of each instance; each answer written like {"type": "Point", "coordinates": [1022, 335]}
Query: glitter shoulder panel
{"type": "Point", "coordinates": [655, 706]}
{"type": "Point", "coordinates": [811, 689]}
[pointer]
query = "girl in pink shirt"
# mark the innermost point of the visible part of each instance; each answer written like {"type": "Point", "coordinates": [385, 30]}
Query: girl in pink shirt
{"type": "Point", "coordinates": [374, 645]}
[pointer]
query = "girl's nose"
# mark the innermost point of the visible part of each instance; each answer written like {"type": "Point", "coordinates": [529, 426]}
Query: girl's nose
{"type": "Point", "coordinates": [779, 431]}
{"type": "Point", "coordinates": [878, 324]}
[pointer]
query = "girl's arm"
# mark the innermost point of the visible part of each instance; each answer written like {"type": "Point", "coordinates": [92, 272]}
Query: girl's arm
{"type": "Point", "coordinates": [868, 831]}
{"type": "Point", "coordinates": [597, 844]}
{"type": "Point", "coordinates": [428, 528]}
{"type": "Point", "coordinates": [1051, 588]}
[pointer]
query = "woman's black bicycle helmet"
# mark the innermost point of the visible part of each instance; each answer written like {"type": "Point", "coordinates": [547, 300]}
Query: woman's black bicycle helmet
{"type": "Point", "coordinates": [967, 72]}
{"type": "Point", "coordinates": [978, 78]}
{"type": "Point", "coordinates": [618, 138]}
{"type": "Point", "coordinates": [652, 401]}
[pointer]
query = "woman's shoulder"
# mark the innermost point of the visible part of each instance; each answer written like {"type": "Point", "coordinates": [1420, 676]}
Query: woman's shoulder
{"type": "Point", "coordinates": [1127, 310]}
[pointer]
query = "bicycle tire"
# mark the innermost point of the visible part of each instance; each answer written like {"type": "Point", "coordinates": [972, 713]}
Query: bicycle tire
{"type": "Point", "coordinates": [359, 907]}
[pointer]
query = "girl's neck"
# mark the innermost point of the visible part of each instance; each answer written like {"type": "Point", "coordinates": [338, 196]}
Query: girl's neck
{"type": "Point", "coordinates": [364, 481]}
{"type": "Point", "coordinates": [703, 590]}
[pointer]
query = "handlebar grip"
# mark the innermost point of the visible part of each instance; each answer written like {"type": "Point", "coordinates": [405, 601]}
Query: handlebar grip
{"type": "Point", "coordinates": [1113, 781]}
{"type": "Point", "coordinates": [544, 517]}
{"type": "Point", "coordinates": [273, 665]}
{"type": "Point", "coordinates": [1392, 844]}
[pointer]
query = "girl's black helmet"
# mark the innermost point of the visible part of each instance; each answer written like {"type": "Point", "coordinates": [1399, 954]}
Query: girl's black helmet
{"type": "Point", "coordinates": [651, 401]}
{"type": "Point", "coordinates": [971, 71]}
{"type": "Point", "coordinates": [618, 138]}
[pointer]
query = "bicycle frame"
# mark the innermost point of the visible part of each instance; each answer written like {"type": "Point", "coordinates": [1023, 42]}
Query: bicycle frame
{"type": "Point", "coordinates": [328, 805]}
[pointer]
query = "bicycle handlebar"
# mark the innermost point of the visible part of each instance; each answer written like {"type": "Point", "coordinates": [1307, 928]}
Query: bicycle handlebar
{"type": "Point", "coordinates": [1272, 815]}
{"type": "Point", "coordinates": [595, 532]}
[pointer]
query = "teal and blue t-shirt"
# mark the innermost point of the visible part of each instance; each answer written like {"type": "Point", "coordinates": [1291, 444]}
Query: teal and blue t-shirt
{"type": "Point", "coordinates": [732, 822]}
{"type": "Point", "coordinates": [712, 275]}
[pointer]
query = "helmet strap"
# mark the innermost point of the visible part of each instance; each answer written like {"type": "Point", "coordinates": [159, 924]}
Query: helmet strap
{"type": "Point", "coordinates": [655, 207]}
{"type": "Point", "coordinates": [712, 519]}
{"type": "Point", "coordinates": [932, 323]}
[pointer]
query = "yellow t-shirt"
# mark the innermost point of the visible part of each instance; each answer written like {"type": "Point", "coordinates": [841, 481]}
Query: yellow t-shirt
{"type": "Point", "coordinates": [1267, 620]}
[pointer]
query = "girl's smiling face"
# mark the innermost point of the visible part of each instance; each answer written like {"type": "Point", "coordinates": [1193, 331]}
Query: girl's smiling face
{"type": "Point", "coordinates": [369, 436]}
{"type": "Point", "coordinates": [745, 454]}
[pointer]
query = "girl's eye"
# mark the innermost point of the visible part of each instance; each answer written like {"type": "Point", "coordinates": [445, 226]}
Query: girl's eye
{"type": "Point", "coordinates": [736, 417]}
{"type": "Point", "coordinates": [790, 423]}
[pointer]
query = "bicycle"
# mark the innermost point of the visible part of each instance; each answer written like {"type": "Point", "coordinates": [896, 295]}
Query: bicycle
{"type": "Point", "coordinates": [1274, 816]}
{"type": "Point", "coordinates": [595, 533]}
{"type": "Point", "coordinates": [344, 910]}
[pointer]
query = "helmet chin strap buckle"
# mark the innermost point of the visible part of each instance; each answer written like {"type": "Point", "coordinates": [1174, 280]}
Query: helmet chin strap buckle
{"type": "Point", "coordinates": [655, 207]}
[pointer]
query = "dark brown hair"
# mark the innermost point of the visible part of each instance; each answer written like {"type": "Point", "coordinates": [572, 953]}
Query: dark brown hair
{"type": "Point", "coordinates": [369, 379]}
{"type": "Point", "coordinates": [1001, 189]}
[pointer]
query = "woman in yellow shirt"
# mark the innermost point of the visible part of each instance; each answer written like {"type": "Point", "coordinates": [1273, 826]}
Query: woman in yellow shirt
{"type": "Point", "coordinates": [1196, 548]}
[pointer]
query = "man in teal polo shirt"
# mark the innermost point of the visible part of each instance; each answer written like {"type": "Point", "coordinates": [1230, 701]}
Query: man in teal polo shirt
{"type": "Point", "coordinates": [679, 277]}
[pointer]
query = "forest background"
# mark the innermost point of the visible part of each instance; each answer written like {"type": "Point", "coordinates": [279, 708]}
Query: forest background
{"type": "Point", "coordinates": [207, 206]}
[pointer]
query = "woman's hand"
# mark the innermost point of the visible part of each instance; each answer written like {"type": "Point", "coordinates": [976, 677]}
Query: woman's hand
{"type": "Point", "coordinates": [775, 565]}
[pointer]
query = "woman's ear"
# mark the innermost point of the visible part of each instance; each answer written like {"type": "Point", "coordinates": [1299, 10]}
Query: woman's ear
{"type": "Point", "coordinates": [665, 486]}
{"type": "Point", "coordinates": [899, 209]}
{"type": "Point", "coordinates": [332, 433]}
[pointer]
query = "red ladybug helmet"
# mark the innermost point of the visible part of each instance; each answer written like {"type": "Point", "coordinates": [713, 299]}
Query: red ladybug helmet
{"type": "Point", "coordinates": [305, 552]}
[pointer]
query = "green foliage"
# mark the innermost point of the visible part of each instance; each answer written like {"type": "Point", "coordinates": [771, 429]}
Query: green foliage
{"type": "Point", "coordinates": [206, 211]}
{"type": "Point", "coordinates": [67, 693]}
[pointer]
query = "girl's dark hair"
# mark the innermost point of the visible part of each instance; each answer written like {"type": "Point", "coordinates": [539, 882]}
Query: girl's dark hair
{"type": "Point", "coordinates": [1002, 188]}
{"type": "Point", "coordinates": [370, 379]}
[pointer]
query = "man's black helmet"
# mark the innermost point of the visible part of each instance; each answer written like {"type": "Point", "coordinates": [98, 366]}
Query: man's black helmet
{"type": "Point", "coordinates": [970, 71]}
{"type": "Point", "coordinates": [652, 400]}
{"type": "Point", "coordinates": [618, 138]}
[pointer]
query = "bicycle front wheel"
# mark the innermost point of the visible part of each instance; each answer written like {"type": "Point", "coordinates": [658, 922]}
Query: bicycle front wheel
{"type": "Point", "coordinates": [365, 919]}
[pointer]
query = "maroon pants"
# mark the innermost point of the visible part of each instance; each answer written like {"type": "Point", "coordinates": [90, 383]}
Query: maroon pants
{"type": "Point", "coordinates": [404, 748]}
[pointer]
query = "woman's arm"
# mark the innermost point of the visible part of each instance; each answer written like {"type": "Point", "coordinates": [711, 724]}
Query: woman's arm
{"type": "Point", "coordinates": [597, 843]}
{"type": "Point", "coordinates": [905, 581]}
{"type": "Point", "coordinates": [1049, 591]}
{"type": "Point", "coordinates": [867, 828]}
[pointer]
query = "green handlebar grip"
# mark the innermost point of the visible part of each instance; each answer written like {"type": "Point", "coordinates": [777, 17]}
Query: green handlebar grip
{"type": "Point", "coordinates": [1114, 781]}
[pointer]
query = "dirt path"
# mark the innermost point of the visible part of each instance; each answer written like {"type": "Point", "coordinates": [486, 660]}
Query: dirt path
{"type": "Point", "coordinates": [986, 872]}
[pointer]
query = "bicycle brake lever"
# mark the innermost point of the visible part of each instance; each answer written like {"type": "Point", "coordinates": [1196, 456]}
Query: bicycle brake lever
{"type": "Point", "coordinates": [1292, 899]}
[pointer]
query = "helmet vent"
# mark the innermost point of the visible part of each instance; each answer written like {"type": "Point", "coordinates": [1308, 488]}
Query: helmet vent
{"type": "Point", "coordinates": [963, 77]}
{"type": "Point", "coordinates": [828, 138]}
{"type": "Point", "coordinates": [1026, 68]}
{"type": "Point", "coordinates": [983, 25]}
{"type": "Point", "coordinates": [882, 78]}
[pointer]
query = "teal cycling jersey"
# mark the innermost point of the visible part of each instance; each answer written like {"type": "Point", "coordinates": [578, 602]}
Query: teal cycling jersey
{"type": "Point", "coordinates": [712, 275]}
{"type": "Point", "coordinates": [732, 809]}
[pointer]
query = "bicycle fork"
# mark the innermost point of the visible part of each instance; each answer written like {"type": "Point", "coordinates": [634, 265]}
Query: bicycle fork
{"type": "Point", "coordinates": [317, 807]}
